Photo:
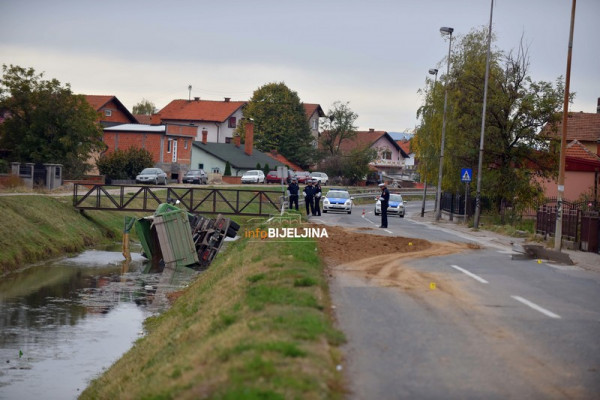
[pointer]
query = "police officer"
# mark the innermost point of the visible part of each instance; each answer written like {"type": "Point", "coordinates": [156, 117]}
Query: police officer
{"type": "Point", "coordinates": [293, 189]}
{"type": "Point", "coordinates": [385, 200]}
{"type": "Point", "coordinates": [309, 198]}
{"type": "Point", "coordinates": [318, 193]}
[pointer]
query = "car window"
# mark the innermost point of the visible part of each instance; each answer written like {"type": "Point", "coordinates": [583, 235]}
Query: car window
{"type": "Point", "coordinates": [395, 197]}
{"type": "Point", "coordinates": [148, 171]}
{"type": "Point", "coordinates": [338, 194]}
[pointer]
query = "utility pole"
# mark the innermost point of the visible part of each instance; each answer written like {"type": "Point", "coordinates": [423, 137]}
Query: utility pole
{"type": "Point", "coordinates": [563, 141]}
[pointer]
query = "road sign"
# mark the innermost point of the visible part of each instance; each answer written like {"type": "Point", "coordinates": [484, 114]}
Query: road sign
{"type": "Point", "coordinates": [466, 175]}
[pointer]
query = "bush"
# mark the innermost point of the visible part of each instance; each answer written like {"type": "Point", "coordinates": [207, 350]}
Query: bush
{"type": "Point", "coordinates": [266, 169]}
{"type": "Point", "coordinates": [124, 164]}
{"type": "Point", "coordinates": [227, 169]}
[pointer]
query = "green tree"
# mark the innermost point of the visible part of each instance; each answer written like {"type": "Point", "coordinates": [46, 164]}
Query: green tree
{"type": "Point", "coordinates": [280, 123]}
{"type": "Point", "coordinates": [351, 167]}
{"type": "Point", "coordinates": [258, 166]}
{"type": "Point", "coordinates": [47, 123]}
{"type": "Point", "coordinates": [144, 107]}
{"type": "Point", "coordinates": [124, 164]}
{"type": "Point", "coordinates": [266, 169]}
{"type": "Point", "coordinates": [517, 108]}
{"type": "Point", "coordinates": [227, 169]}
{"type": "Point", "coordinates": [338, 126]}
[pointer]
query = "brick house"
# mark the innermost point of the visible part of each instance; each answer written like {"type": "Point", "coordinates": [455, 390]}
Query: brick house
{"type": "Point", "coordinates": [217, 118]}
{"type": "Point", "coordinates": [582, 155]}
{"type": "Point", "coordinates": [110, 110]}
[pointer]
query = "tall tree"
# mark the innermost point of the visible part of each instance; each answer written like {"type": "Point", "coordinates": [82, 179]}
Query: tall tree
{"type": "Point", "coordinates": [46, 121]}
{"type": "Point", "coordinates": [144, 107]}
{"type": "Point", "coordinates": [280, 123]}
{"type": "Point", "coordinates": [338, 126]}
{"type": "Point", "coordinates": [517, 108]}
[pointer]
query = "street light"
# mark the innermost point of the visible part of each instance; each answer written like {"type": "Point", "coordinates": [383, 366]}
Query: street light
{"type": "Point", "coordinates": [438, 212]}
{"type": "Point", "coordinates": [482, 135]}
{"type": "Point", "coordinates": [432, 71]}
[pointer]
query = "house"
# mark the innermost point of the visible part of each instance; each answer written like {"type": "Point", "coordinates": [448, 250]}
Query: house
{"type": "Point", "coordinates": [217, 118]}
{"type": "Point", "coordinates": [213, 157]}
{"type": "Point", "coordinates": [274, 154]}
{"type": "Point", "coordinates": [391, 157]}
{"type": "Point", "coordinates": [171, 150]}
{"type": "Point", "coordinates": [110, 110]}
{"type": "Point", "coordinates": [582, 155]}
{"type": "Point", "coordinates": [313, 113]}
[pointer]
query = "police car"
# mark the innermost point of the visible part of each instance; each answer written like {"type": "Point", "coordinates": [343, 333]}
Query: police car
{"type": "Point", "coordinates": [395, 205]}
{"type": "Point", "coordinates": [337, 200]}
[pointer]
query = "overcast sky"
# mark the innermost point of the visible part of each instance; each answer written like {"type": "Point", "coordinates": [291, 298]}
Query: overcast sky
{"type": "Point", "coordinates": [374, 54]}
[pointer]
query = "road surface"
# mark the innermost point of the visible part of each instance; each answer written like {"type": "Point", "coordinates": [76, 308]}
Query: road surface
{"type": "Point", "coordinates": [471, 325]}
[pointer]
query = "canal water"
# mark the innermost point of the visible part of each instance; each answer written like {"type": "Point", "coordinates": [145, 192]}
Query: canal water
{"type": "Point", "coordinates": [63, 323]}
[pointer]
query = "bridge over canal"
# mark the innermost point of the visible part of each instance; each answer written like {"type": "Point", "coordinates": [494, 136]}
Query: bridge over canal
{"type": "Point", "coordinates": [198, 200]}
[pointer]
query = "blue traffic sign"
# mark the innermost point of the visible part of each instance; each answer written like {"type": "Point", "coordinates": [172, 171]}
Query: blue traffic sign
{"type": "Point", "coordinates": [466, 175]}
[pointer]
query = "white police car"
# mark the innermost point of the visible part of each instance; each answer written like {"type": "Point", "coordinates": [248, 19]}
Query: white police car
{"type": "Point", "coordinates": [337, 200]}
{"type": "Point", "coordinates": [395, 205]}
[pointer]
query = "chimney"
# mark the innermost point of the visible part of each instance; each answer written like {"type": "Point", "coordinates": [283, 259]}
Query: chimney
{"type": "Point", "coordinates": [249, 138]}
{"type": "Point", "coordinates": [196, 98]}
{"type": "Point", "coordinates": [236, 140]}
{"type": "Point", "coordinates": [371, 130]}
{"type": "Point", "coordinates": [204, 136]}
{"type": "Point", "coordinates": [227, 99]}
{"type": "Point", "coordinates": [598, 106]}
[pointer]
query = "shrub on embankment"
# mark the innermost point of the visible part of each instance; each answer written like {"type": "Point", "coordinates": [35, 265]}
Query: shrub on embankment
{"type": "Point", "coordinates": [256, 324]}
{"type": "Point", "coordinates": [37, 227]}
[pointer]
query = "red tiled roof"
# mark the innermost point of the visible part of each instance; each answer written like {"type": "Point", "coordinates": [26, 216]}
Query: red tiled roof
{"type": "Point", "coordinates": [581, 126]}
{"type": "Point", "coordinates": [198, 110]}
{"type": "Point", "coordinates": [362, 139]}
{"type": "Point", "coordinates": [278, 157]}
{"type": "Point", "coordinates": [576, 150]}
{"type": "Point", "coordinates": [143, 118]}
{"type": "Point", "coordinates": [310, 109]}
{"type": "Point", "coordinates": [404, 145]}
{"type": "Point", "coordinates": [97, 101]}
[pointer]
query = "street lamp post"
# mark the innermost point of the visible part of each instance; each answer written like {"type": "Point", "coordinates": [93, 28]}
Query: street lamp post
{"type": "Point", "coordinates": [438, 211]}
{"type": "Point", "coordinates": [481, 138]}
{"type": "Point", "coordinates": [432, 71]}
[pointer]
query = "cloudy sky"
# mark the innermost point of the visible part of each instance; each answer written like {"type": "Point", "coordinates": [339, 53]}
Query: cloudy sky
{"type": "Point", "coordinates": [374, 54]}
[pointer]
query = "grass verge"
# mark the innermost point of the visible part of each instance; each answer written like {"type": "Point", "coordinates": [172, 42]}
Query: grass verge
{"type": "Point", "coordinates": [36, 228]}
{"type": "Point", "coordinates": [255, 325]}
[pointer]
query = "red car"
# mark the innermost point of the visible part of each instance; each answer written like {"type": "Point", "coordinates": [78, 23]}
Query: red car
{"type": "Point", "coordinates": [303, 176]}
{"type": "Point", "coordinates": [272, 177]}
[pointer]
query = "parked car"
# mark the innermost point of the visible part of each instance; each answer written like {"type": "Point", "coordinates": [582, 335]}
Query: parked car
{"type": "Point", "coordinates": [253, 176]}
{"type": "Point", "coordinates": [303, 176]}
{"type": "Point", "coordinates": [273, 178]}
{"type": "Point", "coordinates": [195, 176]}
{"type": "Point", "coordinates": [320, 176]}
{"type": "Point", "coordinates": [152, 175]}
{"type": "Point", "coordinates": [338, 200]}
{"type": "Point", "coordinates": [396, 205]}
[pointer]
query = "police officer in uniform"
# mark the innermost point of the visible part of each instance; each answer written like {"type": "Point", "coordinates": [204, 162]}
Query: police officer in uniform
{"type": "Point", "coordinates": [293, 189]}
{"type": "Point", "coordinates": [385, 200]}
{"type": "Point", "coordinates": [318, 193]}
{"type": "Point", "coordinates": [309, 198]}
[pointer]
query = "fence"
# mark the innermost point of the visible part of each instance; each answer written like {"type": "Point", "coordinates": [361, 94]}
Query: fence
{"type": "Point", "coordinates": [580, 223]}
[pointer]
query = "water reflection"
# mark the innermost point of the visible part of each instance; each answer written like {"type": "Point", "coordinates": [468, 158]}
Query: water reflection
{"type": "Point", "coordinates": [62, 323]}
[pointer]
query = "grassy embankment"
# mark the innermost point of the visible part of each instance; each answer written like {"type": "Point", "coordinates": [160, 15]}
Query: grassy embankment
{"type": "Point", "coordinates": [254, 325]}
{"type": "Point", "coordinates": [36, 228]}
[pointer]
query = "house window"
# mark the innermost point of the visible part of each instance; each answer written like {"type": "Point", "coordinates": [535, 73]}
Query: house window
{"type": "Point", "coordinates": [386, 155]}
{"type": "Point", "coordinates": [185, 144]}
{"type": "Point", "coordinates": [169, 145]}
{"type": "Point", "coordinates": [107, 113]}
{"type": "Point", "coordinates": [216, 170]}
{"type": "Point", "coordinates": [315, 124]}
{"type": "Point", "coordinates": [232, 122]}
{"type": "Point", "coordinates": [227, 140]}
{"type": "Point", "coordinates": [201, 166]}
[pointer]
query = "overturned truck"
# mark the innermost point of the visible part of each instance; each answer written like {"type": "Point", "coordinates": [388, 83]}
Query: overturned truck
{"type": "Point", "coordinates": [173, 237]}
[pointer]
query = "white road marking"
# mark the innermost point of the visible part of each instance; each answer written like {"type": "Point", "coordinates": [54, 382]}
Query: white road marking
{"type": "Point", "coordinates": [472, 275]}
{"type": "Point", "coordinates": [388, 231]}
{"type": "Point", "coordinates": [536, 307]}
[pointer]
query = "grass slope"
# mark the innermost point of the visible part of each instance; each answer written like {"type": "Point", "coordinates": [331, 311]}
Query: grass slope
{"type": "Point", "coordinates": [255, 325]}
{"type": "Point", "coordinates": [35, 228]}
